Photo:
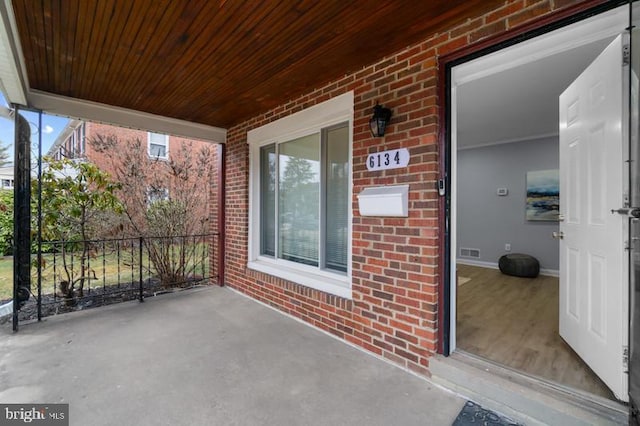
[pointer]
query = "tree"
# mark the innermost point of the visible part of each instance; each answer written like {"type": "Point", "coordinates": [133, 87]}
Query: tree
{"type": "Point", "coordinates": [75, 196]}
{"type": "Point", "coordinates": [5, 156]}
{"type": "Point", "coordinates": [6, 222]}
{"type": "Point", "coordinates": [299, 198]}
{"type": "Point", "coordinates": [299, 188]}
{"type": "Point", "coordinates": [164, 200]}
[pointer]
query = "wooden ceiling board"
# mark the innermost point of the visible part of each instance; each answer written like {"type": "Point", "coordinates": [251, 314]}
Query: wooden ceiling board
{"type": "Point", "coordinates": [257, 63]}
{"type": "Point", "coordinates": [70, 19]}
{"type": "Point", "coordinates": [81, 47]}
{"type": "Point", "coordinates": [148, 70]}
{"type": "Point", "coordinates": [207, 59]}
{"type": "Point", "coordinates": [130, 49]}
{"type": "Point", "coordinates": [117, 24]}
{"type": "Point", "coordinates": [97, 32]}
{"type": "Point", "coordinates": [215, 62]}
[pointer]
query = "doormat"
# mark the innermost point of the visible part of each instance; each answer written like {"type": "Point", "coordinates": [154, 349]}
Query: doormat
{"type": "Point", "coordinates": [463, 280]}
{"type": "Point", "coordinates": [473, 414]}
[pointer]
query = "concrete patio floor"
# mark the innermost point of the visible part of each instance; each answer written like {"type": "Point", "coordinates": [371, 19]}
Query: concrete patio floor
{"type": "Point", "coordinates": [208, 356]}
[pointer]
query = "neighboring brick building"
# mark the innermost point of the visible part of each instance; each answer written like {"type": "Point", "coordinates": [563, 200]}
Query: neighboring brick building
{"type": "Point", "coordinates": [73, 143]}
{"type": "Point", "coordinates": [110, 147]}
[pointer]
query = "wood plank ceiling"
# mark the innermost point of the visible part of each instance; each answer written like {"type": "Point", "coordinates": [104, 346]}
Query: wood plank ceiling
{"type": "Point", "coordinates": [215, 62]}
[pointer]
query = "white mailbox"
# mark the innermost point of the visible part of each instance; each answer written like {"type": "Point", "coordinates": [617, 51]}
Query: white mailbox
{"type": "Point", "coordinates": [384, 201]}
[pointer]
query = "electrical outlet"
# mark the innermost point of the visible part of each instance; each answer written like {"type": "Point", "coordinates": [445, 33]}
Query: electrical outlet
{"type": "Point", "coordinates": [507, 247]}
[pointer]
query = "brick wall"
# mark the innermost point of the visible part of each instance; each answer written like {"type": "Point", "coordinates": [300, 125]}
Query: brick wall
{"type": "Point", "coordinates": [104, 159]}
{"type": "Point", "coordinates": [111, 159]}
{"type": "Point", "coordinates": [395, 260]}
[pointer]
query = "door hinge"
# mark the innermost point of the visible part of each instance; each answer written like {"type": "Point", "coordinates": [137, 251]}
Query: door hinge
{"type": "Point", "coordinates": [626, 55]}
{"type": "Point", "coordinates": [625, 358]}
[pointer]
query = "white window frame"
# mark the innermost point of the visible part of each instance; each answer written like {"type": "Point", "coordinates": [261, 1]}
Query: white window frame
{"type": "Point", "coordinates": [311, 120]}
{"type": "Point", "coordinates": [82, 139]}
{"type": "Point", "coordinates": [166, 144]}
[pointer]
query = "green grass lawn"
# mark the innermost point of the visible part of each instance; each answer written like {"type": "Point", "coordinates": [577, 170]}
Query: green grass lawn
{"type": "Point", "coordinates": [6, 277]}
{"type": "Point", "coordinates": [108, 269]}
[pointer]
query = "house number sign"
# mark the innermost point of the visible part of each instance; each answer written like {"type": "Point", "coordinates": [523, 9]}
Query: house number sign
{"type": "Point", "coordinates": [386, 160]}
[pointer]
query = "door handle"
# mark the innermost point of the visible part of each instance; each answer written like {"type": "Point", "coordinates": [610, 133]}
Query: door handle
{"type": "Point", "coordinates": [558, 235]}
{"type": "Point", "coordinates": [631, 211]}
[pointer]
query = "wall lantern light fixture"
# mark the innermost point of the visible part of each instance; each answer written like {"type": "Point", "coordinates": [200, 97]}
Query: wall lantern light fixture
{"type": "Point", "coordinates": [379, 121]}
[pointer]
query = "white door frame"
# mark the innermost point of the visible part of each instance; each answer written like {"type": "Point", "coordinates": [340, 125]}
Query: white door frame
{"type": "Point", "coordinates": [596, 28]}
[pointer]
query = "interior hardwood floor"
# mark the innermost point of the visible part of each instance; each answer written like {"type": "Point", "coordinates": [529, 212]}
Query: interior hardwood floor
{"type": "Point", "coordinates": [514, 321]}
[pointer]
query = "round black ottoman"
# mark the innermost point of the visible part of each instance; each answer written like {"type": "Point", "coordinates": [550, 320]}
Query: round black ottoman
{"type": "Point", "coordinates": [519, 265]}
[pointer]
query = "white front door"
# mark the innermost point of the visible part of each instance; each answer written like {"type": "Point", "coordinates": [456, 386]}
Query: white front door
{"type": "Point", "coordinates": [593, 261]}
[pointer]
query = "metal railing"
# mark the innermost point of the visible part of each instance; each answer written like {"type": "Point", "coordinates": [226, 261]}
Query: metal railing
{"type": "Point", "coordinates": [75, 275]}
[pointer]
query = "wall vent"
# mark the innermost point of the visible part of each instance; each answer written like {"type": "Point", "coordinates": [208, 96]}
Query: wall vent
{"type": "Point", "coordinates": [470, 252]}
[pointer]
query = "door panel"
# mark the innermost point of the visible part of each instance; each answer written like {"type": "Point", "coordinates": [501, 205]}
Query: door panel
{"type": "Point", "coordinates": [593, 261]}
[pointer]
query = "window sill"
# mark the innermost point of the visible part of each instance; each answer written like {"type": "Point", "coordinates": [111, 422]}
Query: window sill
{"type": "Point", "coordinates": [338, 285]}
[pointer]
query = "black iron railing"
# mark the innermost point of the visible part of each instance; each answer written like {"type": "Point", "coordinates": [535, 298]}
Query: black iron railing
{"type": "Point", "coordinates": [75, 275]}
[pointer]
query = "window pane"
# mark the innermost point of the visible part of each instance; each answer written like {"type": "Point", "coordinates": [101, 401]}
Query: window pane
{"type": "Point", "coordinates": [157, 194]}
{"type": "Point", "coordinates": [268, 200]}
{"type": "Point", "coordinates": [337, 199]}
{"type": "Point", "coordinates": [157, 145]}
{"type": "Point", "coordinates": [157, 150]}
{"type": "Point", "coordinates": [299, 200]}
{"type": "Point", "coordinates": [157, 138]}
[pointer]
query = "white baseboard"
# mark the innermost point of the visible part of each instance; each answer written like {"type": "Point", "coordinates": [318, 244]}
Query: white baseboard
{"type": "Point", "coordinates": [480, 263]}
{"type": "Point", "coordinates": [494, 265]}
{"type": "Point", "coordinates": [550, 272]}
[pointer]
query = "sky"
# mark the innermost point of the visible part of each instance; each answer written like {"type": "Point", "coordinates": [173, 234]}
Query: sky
{"type": "Point", "coordinates": [51, 127]}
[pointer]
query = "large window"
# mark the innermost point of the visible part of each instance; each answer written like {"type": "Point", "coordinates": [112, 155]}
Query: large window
{"type": "Point", "coordinates": [308, 176]}
{"type": "Point", "coordinates": [300, 200]}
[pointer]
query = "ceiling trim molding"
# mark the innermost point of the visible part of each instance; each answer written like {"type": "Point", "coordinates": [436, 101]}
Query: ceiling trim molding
{"type": "Point", "coordinates": [12, 81]}
{"type": "Point", "coordinates": [506, 141]}
{"type": "Point", "coordinates": [599, 27]}
{"type": "Point", "coordinates": [123, 117]}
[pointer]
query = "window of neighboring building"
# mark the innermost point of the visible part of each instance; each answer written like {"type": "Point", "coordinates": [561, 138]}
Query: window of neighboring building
{"type": "Point", "coordinates": [300, 198]}
{"type": "Point", "coordinates": [68, 147]}
{"type": "Point", "coordinates": [158, 145]}
{"type": "Point", "coordinates": [80, 139]}
{"type": "Point", "coordinates": [157, 194]}
{"type": "Point", "coordinates": [7, 183]}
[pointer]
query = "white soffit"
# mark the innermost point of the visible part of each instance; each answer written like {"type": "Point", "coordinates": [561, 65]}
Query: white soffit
{"type": "Point", "coordinates": [596, 28]}
{"type": "Point", "coordinates": [11, 82]}
{"type": "Point", "coordinates": [101, 113]}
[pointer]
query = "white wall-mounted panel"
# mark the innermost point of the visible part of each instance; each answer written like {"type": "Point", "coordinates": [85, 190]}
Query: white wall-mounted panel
{"type": "Point", "coordinates": [386, 201]}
